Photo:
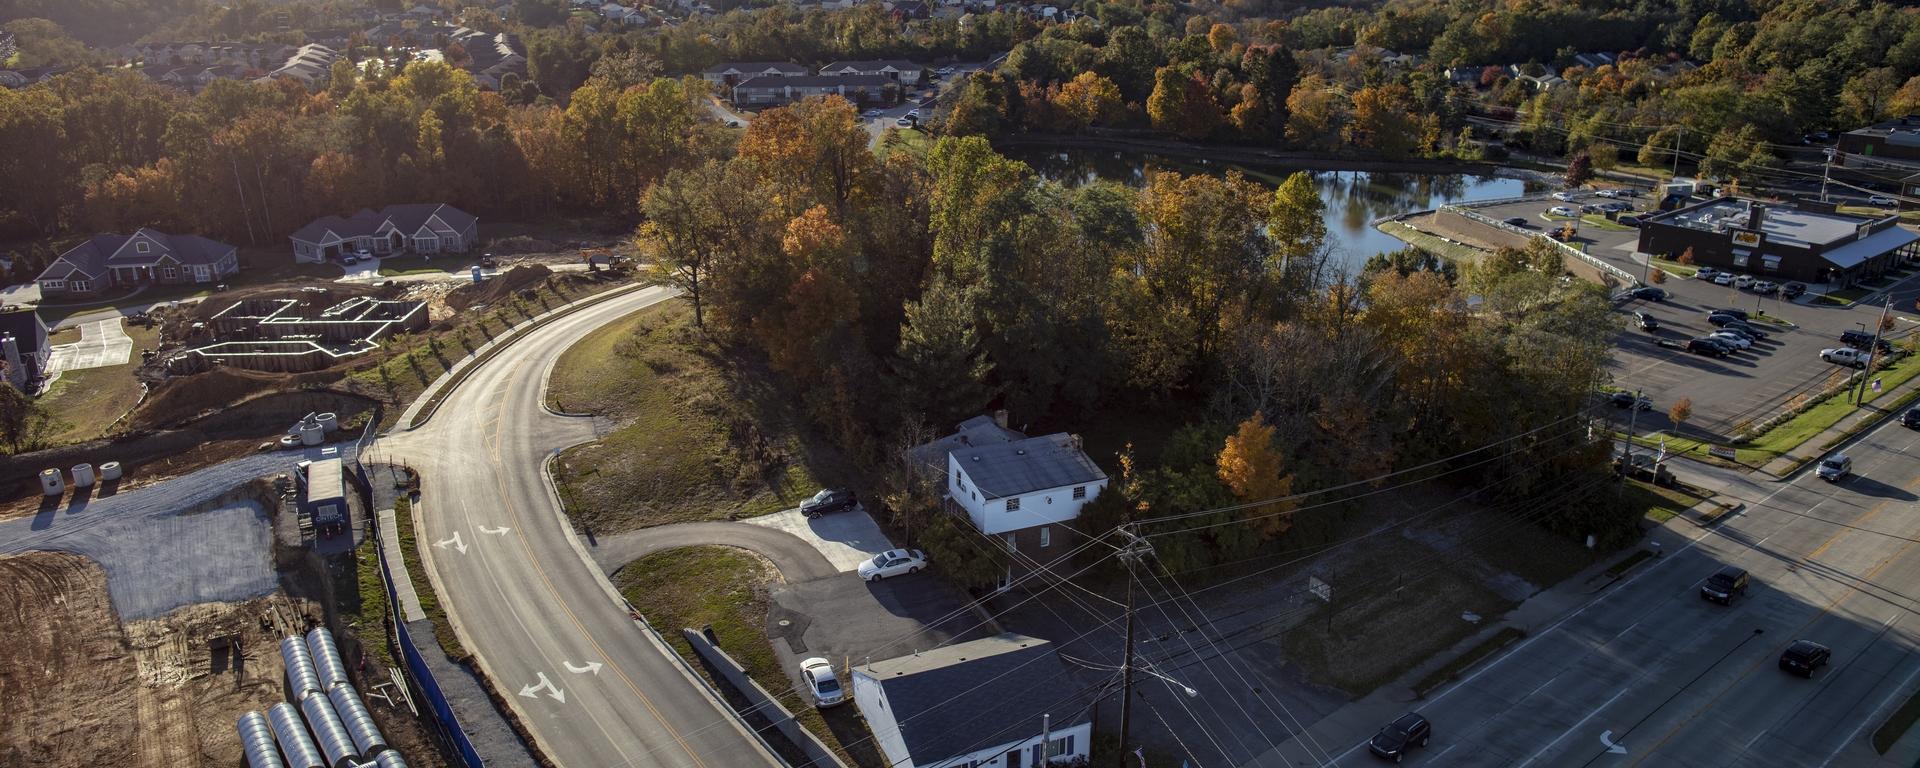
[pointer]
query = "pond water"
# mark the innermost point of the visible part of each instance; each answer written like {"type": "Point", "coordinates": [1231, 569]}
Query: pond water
{"type": "Point", "coordinates": [1354, 198]}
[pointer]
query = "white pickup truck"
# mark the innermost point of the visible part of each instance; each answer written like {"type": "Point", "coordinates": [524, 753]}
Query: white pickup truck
{"type": "Point", "coordinates": [1845, 356]}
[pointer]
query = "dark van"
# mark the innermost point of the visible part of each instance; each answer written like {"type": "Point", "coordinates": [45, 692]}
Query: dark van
{"type": "Point", "coordinates": [1725, 585]}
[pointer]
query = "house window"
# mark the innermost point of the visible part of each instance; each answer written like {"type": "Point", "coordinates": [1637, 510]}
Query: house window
{"type": "Point", "coordinates": [1046, 536]}
{"type": "Point", "coordinates": [82, 285]}
{"type": "Point", "coordinates": [1013, 504]}
{"type": "Point", "coordinates": [169, 272]}
{"type": "Point", "coordinates": [1079, 491]}
{"type": "Point", "coordinates": [1060, 747]}
{"type": "Point", "coordinates": [54, 285]}
{"type": "Point", "coordinates": [141, 246]}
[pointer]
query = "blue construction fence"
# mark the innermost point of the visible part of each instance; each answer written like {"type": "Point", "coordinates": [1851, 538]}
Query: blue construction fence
{"type": "Point", "coordinates": [421, 675]}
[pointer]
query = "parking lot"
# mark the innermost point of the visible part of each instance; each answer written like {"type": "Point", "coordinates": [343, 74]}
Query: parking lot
{"type": "Point", "coordinates": [1727, 393]}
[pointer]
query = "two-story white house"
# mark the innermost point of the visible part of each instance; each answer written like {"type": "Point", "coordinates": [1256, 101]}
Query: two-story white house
{"type": "Point", "coordinates": [1023, 490]}
{"type": "Point", "coordinates": [919, 719]}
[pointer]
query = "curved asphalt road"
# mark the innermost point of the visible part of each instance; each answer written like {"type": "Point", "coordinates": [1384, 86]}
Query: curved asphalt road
{"type": "Point", "coordinates": [594, 688]}
{"type": "Point", "coordinates": [796, 559]}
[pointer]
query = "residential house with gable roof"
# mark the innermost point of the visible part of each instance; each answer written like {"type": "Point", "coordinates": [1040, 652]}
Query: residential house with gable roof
{"type": "Point", "coordinates": [147, 256]}
{"type": "Point", "coordinates": [423, 228]}
{"type": "Point", "coordinates": [1007, 719]}
{"type": "Point", "coordinates": [899, 70]}
{"type": "Point", "coordinates": [1021, 490]}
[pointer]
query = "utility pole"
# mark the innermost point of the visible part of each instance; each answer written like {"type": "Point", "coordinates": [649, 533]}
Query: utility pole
{"type": "Point", "coordinates": [1633, 415]}
{"type": "Point", "coordinates": [1873, 351]}
{"type": "Point", "coordinates": [1676, 149]}
{"type": "Point", "coordinates": [1129, 554]}
{"type": "Point", "coordinates": [1826, 174]}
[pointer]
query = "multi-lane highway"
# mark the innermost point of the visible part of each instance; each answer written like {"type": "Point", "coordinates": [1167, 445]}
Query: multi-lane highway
{"type": "Point", "coordinates": [1650, 674]}
{"type": "Point", "coordinates": [591, 685]}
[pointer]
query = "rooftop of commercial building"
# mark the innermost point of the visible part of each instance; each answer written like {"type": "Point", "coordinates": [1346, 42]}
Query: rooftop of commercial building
{"type": "Point", "coordinates": [1781, 222]}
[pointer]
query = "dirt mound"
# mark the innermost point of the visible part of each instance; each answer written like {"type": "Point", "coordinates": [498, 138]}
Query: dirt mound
{"type": "Point", "coordinates": [184, 398]}
{"type": "Point", "coordinates": [498, 289]}
{"type": "Point", "coordinates": [523, 244]}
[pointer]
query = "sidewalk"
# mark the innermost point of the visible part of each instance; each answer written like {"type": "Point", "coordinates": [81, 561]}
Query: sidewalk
{"type": "Point", "coordinates": [1349, 727]}
{"type": "Point", "coordinates": [1854, 424]}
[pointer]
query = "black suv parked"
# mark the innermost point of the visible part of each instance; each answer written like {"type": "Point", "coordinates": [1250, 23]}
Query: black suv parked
{"type": "Point", "coordinates": [1707, 347]}
{"type": "Point", "coordinates": [1862, 340]}
{"type": "Point", "coordinates": [1725, 585]}
{"type": "Point", "coordinates": [1805, 656]}
{"type": "Point", "coordinates": [1392, 742]}
{"type": "Point", "coordinates": [829, 500]}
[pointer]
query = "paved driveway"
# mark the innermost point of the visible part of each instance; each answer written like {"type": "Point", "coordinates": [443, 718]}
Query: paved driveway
{"type": "Point", "coordinates": [851, 622]}
{"type": "Point", "coordinates": [158, 551]}
{"type": "Point", "coordinates": [846, 539]}
{"type": "Point", "coordinates": [102, 343]}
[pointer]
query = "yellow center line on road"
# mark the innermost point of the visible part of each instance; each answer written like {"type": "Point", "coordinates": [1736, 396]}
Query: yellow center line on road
{"type": "Point", "coordinates": [645, 700]}
{"type": "Point", "coordinates": [1848, 593]}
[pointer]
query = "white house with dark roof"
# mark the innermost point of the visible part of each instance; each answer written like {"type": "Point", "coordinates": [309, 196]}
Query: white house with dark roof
{"type": "Point", "coordinates": [23, 348]}
{"type": "Point", "coordinates": [1022, 490]}
{"type": "Point", "coordinates": [1011, 715]}
{"type": "Point", "coordinates": [146, 256]}
{"type": "Point", "coordinates": [423, 228]}
{"type": "Point", "coordinates": [898, 70]}
{"type": "Point", "coordinates": [858, 89]}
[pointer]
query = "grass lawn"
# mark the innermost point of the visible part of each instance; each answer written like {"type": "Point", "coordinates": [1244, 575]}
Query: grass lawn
{"type": "Point", "coordinates": [913, 142]}
{"type": "Point", "coordinates": [701, 436]}
{"type": "Point", "coordinates": [1452, 669]}
{"type": "Point", "coordinates": [1676, 269]}
{"type": "Point", "coordinates": [363, 603]}
{"type": "Point", "coordinates": [1790, 434]}
{"type": "Point", "coordinates": [413, 267]}
{"type": "Point", "coordinates": [417, 572]}
{"type": "Point", "coordinates": [1387, 620]}
{"type": "Point", "coordinates": [1843, 296]}
{"type": "Point", "coordinates": [1897, 725]}
{"type": "Point", "coordinates": [1598, 221]}
{"type": "Point", "coordinates": [91, 400]}
{"type": "Point", "coordinates": [725, 588]}
{"type": "Point", "coordinates": [1455, 252]}
{"type": "Point", "coordinates": [1661, 504]}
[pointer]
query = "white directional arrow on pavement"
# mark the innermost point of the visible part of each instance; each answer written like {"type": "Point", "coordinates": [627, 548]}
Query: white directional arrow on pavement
{"type": "Point", "coordinates": [533, 691]}
{"type": "Point", "coordinates": [501, 531]}
{"type": "Point", "coordinates": [589, 667]}
{"type": "Point", "coordinates": [1606, 738]}
{"type": "Point", "coordinates": [454, 542]}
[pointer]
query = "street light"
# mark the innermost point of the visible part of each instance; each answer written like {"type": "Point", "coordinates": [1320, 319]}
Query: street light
{"type": "Point", "coordinates": [1184, 688]}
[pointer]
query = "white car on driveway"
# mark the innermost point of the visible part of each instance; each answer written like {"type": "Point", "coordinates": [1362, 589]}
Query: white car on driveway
{"type": "Point", "coordinates": [1561, 210]}
{"type": "Point", "coordinates": [822, 682]}
{"type": "Point", "coordinates": [893, 562]}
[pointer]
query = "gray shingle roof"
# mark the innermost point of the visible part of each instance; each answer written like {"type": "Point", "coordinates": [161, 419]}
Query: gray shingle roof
{"type": "Point", "coordinates": [979, 430]}
{"type": "Point", "coordinates": [777, 82]}
{"type": "Point", "coordinates": [755, 66]}
{"type": "Point", "coordinates": [871, 65]}
{"type": "Point", "coordinates": [1024, 466]}
{"type": "Point", "coordinates": [407, 217]}
{"type": "Point", "coordinates": [96, 254]}
{"type": "Point", "coordinates": [953, 700]}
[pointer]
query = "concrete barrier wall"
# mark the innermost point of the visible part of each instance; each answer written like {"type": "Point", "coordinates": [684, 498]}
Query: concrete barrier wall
{"type": "Point", "coordinates": [760, 701]}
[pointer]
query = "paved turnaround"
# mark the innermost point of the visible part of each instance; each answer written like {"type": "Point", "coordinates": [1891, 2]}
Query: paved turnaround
{"type": "Point", "coordinates": [594, 688]}
{"type": "Point", "coordinates": [1649, 674]}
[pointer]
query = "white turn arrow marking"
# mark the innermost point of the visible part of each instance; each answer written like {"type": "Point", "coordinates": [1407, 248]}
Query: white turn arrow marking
{"type": "Point", "coordinates": [533, 691]}
{"type": "Point", "coordinates": [591, 666]}
{"type": "Point", "coordinates": [454, 542]}
{"type": "Point", "coordinates": [501, 531]}
{"type": "Point", "coordinates": [1606, 738]}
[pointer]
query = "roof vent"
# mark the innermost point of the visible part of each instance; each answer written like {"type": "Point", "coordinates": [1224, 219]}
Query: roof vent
{"type": "Point", "coordinates": [976, 457]}
{"type": "Point", "coordinates": [1020, 451]}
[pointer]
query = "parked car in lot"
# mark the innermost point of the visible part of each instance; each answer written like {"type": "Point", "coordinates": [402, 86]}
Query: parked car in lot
{"type": "Point", "coordinates": [822, 682]}
{"type": "Point", "coordinates": [1732, 339]}
{"type": "Point", "coordinates": [1516, 221]}
{"type": "Point", "coordinates": [1743, 281]}
{"type": "Point", "coordinates": [1628, 400]}
{"type": "Point", "coordinates": [1882, 200]}
{"type": "Point", "coordinates": [1724, 347]}
{"type": "Point", "coordinates": [1834, 468]}
{"type": "Point", "coordinates": [1563, 210]}
{"type": "Point", "coordinates": [828, 501]}
{"type": "Point", "coordinates": [893, 562]}
{"type": "Point", "coordinates": [903, 122]}
{"type": "Point", "coordinates": [1408, 731]}
{"type": "Point", "coordinates": [1708, 348]}
{"type": "Point", "coordinates": [1706, 273]}
{"type": "Point", "coordinates": [1737, 314]}
{"type": "Point", "coordinates": [1765, 287]}
{"type": "Point", "coordinates": [1793, 290]}
{"type": "Point", "coordinates": [1627, 192]}
{"type": "Point", "coordinates": [1725, 585]}
{"type": "Point", "coordinates": [1650, 293]}
{"type": "Point", "coordinates": [1608, 193]}
{"type": "Point", "coordinates": [1647, 322]}
{"type": "Point", "coordinates": [1723, 278]}
{"type": "Point", "coordinates": [1741, 330]}
{"type": "Point", "coordinates": [1805, 656]}
{"type": "Point", "coordinates": [1863, 340]}
{"type": "Point", "coordinates": [1844, 356]}
{"type": "Point", "coordinates": [1630, 221]}
{"type": "Point", "coordinates": [1911, 419]}
{"type": "Point", "coordinates": [1565, 196]}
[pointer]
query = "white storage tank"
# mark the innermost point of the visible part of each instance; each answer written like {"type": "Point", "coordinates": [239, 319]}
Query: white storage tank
{"type": "Point", "coordinates": [83, 475]}
{"type": "Point", "coordinates": [328, 732]}
{"type": "Point", "coordinates": [302, 680]}
{"type": "Point", "coordinates": [326, 659]}
{"type": "Point", "coordinates": [353, 714]}
{"type": "Point", "coordinates": [50, 482]}
{"type": "Point", "coordinates": [329, 421]}
{"type": "Point", "coordinates": [311, 433]}
{"type": "Point", "coordinates": [110, 471]}
{"type": "Point", "coordinates": [256, 740]}
{"type": "Point", "coordinates": [293, 738]}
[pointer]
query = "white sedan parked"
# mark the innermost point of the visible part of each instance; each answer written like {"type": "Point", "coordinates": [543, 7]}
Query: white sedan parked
{"type": "Point", "coordinates": [822, 682]}
{"type": "Point", "coordinates": [893, 562]}
{"type": "Point", "coordinates": [1734, 340]}
{"type": "Point", "coordinates": [1561, 210]}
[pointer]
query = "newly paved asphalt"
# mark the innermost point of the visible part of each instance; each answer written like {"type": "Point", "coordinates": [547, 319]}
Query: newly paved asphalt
{"type": "Point", "coordinates": [593, 686]}
{"type": "Point", "coordinates": [1677, 681]}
